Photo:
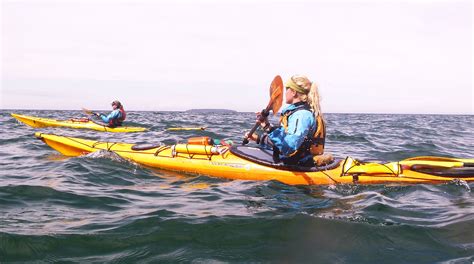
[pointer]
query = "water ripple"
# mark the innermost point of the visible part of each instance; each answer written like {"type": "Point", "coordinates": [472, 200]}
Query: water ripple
{"type": "Point", "coordinates": [102, 208]}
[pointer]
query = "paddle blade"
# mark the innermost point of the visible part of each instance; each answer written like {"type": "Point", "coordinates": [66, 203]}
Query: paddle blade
{"type": "Point", "coordinates": [87, 111]}
{"type": "Point", "coordinates": [276, 94]}
{"type": "Point", "coordinates": [276, 97]}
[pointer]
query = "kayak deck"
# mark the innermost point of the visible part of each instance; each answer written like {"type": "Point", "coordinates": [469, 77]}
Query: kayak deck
{"type": "Point", "coordinates": [219, 161]}
{"type": "Point", "coordinates": [39, 122]}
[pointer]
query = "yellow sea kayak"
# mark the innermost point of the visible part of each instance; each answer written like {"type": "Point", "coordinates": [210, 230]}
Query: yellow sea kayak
{"type": "Point", "coordinates": [247, 163]}
{"type": "Point", "coordinates": [73, 123]}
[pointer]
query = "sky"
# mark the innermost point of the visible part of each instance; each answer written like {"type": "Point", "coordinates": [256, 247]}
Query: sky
{"type": "Point", "coordinates": [366, 56]}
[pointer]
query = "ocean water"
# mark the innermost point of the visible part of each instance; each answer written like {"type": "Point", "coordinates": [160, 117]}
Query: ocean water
{"type": "Point", "coordinates": [100, 208]}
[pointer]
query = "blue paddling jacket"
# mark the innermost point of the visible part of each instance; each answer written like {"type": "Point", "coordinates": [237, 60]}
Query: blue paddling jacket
{"type": "Point", "coordinates": [290, 139]}
{"type": "Point", "coordinates": [114, 119]}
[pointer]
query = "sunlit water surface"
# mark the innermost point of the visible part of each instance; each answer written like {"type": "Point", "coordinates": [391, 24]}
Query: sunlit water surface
{"type": "Point", "coordinates": [100, 208]}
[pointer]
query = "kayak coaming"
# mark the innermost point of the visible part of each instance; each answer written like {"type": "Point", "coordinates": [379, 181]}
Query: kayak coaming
{"type": "Point", "coordinates": [39, 122]}
{"type": "Point", "coordinates": [230, 166]}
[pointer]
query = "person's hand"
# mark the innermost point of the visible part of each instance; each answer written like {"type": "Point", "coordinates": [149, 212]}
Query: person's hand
{"type": "Point", "coordinates": [253, 137]}
{"type": "Point", "coordinates": [263, 121]}
{"type": "Point", "coordinates": [97, 114]}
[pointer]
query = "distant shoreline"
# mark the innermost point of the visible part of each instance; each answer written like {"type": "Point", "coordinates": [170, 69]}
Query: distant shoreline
{"type": "Point", "coordinates": [12, 110]}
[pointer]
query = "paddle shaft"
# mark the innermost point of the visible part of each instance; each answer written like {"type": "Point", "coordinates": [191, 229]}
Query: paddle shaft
{"type": "Point", "coordinates": [265, 112]}
{"type": "Point", "coordinates": [88, 112]}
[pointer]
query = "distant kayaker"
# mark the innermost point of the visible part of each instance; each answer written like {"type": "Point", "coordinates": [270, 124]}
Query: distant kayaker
{"type": "Point", "coordinates": [301, 134]}
{"type": "Point", "coordinates": [116, 117]}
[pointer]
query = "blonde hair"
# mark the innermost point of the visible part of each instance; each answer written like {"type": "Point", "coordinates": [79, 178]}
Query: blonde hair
{"type": "Point", "coordinates": [312, 94]}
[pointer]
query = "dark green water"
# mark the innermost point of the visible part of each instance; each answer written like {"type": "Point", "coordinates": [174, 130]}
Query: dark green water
{"type": "Point", "coordinates": [100, 208]}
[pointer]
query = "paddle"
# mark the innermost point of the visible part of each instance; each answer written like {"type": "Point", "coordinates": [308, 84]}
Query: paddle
{"type": "Point", "coordinates": [276, 96]}
{"type": "Point", "coordinates": [88, 112]}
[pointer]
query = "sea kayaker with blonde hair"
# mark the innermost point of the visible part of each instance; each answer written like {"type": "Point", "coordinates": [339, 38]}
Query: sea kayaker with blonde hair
{"type": "Point", "coordinates": [301, 134]}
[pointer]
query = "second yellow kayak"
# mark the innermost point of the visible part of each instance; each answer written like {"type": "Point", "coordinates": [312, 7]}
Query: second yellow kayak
{"type": "Point", "coordinates": [73, 123]}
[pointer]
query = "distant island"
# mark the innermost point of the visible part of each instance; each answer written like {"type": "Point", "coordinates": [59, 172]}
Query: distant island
{"type": "Point", "coordinates": [221, 111]}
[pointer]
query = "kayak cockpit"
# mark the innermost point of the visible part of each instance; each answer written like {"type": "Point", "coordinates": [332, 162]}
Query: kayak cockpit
{"type": "Point", "coordinates": [265, 157]}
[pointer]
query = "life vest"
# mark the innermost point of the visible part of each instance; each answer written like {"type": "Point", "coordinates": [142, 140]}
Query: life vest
{"type": "Point", "coordinates": [319, 137]}
{"type": "Point", "coordinates": [313, 143]}
{"type": "Point", "coordinates": [115, 122]}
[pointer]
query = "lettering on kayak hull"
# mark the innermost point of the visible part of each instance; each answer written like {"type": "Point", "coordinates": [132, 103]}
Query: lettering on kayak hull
{"type": "Point", "coordinates": [233, 165]}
